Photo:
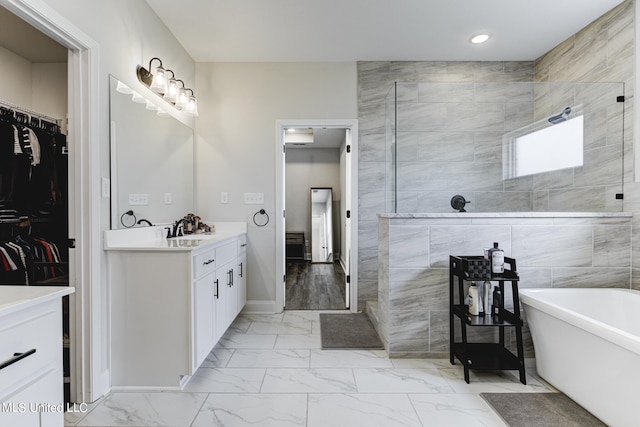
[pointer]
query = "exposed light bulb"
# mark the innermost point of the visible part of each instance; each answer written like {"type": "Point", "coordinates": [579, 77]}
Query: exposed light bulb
{"type": "Point", "coordinates": [159, 82]}
{"type": "Point", "coordinates": [192, 106]}
{"type": "Point", "coordinates": [172, 90]}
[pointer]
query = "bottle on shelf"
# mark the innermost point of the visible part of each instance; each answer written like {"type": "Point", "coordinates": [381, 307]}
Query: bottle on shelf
{"type": "Point", "coordinates": [475, 300]}
{"type": "Point", "coordinates": [496, 256]}
{"type": "Point", "coordinates": [497, 302]}
{"type": "Point", "coordinates": [486, 292]}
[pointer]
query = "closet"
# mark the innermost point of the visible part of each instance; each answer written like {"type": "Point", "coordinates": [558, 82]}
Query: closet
{"type": "Point", "coordinates": [34, 206]}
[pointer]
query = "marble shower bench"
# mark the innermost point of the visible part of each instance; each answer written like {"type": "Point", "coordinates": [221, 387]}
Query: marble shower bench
{"type": "Point", "coordinates": [554, 249]}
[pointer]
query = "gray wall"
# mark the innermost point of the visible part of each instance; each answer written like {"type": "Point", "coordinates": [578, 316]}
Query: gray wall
{"type": "Point", "coordinates": [602, 52]}
{"type": "Point", "coordinates": [239, 104]}
{"type": "Point", "coordinates": [450, 141]}
{"type": "Point", "coordinates": [306, 168]}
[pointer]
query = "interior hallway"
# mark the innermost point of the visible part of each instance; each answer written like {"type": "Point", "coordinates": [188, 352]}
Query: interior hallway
{"type": "Point", "coordinates": [315, 286]}
{"type": "Point", "coordinates": [269, 370]}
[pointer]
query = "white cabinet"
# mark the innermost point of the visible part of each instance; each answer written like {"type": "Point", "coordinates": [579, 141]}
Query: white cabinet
{"type": "Point", "coordinates": [205, 295]}
{"type": "Point", "coordinates": [169, 307]}
{"type": "Point", "coordinates": [31, 379]}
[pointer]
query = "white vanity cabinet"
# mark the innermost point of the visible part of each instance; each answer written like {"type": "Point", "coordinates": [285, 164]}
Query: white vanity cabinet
{"type": "Point", "coordinates": [31, 379]}
{"type": "Point", "coordinates": [171, 301]}
{"type": "Point", "coordinates": [215, 297]}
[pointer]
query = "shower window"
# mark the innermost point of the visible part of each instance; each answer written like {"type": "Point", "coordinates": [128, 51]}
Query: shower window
{"type": "Point", "coordinates": [545, 146]}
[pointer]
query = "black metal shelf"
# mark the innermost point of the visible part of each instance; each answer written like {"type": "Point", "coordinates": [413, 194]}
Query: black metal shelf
{"type": "Point", "coordinates": [484, 355]}
{"type": "Point", "coordinates": [506, 318]}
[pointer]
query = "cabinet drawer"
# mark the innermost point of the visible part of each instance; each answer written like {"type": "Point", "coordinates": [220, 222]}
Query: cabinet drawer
{"type": "Point", "coordinates": [24, 332]}
{"type": "Point", "coordinates": [205, 262]}
{"type": "Point", "coordinates": [226, 252]}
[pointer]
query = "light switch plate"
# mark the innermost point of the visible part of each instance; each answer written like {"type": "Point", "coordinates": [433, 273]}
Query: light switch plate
{"type": "Point", "coordinates": [138, 199]}
{"type": "Point", "coordinates": [224, 197]}
{"type": "Point", "coordinates": [167, 199]}
{"type": "Point", "coordinates": [254, 198]}
{"type": "Point", "coordinates": [106, 188]}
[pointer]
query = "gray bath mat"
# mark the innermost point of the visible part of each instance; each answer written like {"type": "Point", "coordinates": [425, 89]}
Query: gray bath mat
{"type": "Point", "coordinates": [540, 410]}
{"type": "Point", "coordinates": [348, 331]}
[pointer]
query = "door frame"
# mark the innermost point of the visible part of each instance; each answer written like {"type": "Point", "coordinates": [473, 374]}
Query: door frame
{"type": "Point", "coordinates": [90, 380]}
{"type": "Point", "coordinates": [281, 126]}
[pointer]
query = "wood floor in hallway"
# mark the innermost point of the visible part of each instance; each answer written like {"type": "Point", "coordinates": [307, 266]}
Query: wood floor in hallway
{"type": "Point", "coordinates": [315, 286]}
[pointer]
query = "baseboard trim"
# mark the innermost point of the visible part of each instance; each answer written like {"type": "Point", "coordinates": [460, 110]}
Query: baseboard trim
{"type": "Point", "coordinates": [261, 306]}
{"type": "Point", "coordinates": [129, 389]}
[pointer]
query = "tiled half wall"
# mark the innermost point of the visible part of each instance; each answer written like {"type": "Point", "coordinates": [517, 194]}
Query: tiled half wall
{"type": "Point", "coordinates": [551, 250]}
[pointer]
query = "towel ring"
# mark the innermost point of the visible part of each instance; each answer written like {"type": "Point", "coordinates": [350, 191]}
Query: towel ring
{"type": "Point", "coordinates": [130, 213]}
{"type": "Point", "coordinates": [261, 212]}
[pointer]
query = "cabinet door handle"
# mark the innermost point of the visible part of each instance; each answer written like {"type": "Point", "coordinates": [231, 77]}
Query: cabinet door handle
{"type": "Point", "coordinates": [230, 278]}
{"type": "Point", "coordinates": [240, 265]}
{"type": "Point", "coordinates": [208, 262]}
{"type": "Point", "coordinates": [16, 358]}
{"type": "Point", "coordinates": [243, 245]}
{"type": "Point", "coordinates": [217, 292]}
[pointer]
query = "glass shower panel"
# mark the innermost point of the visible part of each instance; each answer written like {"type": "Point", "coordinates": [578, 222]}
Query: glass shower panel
{"type": "Point", "coordinates": [450, 139]}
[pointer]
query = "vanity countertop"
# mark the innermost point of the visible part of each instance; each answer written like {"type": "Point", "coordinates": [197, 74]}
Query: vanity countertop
{"type": "Point", "coordinates": [17, 298]}
{"type": "Point", "coordinates": [154, 238]}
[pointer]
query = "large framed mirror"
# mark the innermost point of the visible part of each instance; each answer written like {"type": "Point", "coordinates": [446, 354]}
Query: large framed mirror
{"type": "Point", "coordinates": [152, 173]}
{"type": "Point", "coordinates": [322, 225]}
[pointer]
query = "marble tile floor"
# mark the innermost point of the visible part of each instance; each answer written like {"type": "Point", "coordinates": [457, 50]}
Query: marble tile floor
{"type": "Point", "coordinates": [269, 370]}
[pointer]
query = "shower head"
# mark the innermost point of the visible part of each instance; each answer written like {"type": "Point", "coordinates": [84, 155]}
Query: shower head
{"type": "Point", "coordinates": [559, 118]}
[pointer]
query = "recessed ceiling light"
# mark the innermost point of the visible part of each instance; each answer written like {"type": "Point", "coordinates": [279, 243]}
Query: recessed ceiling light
{"type": "Point", "coordinates": [480, 38]}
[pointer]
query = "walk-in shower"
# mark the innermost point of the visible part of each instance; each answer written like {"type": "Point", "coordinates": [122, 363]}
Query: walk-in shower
{"type": "Point", "coordinates": [505, 146]}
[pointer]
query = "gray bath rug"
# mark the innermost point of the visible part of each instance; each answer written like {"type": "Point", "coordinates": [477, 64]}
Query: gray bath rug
{"type": "Point", "coordinates": [348, 331]}
{"type": "Point", "coordinates": [540, 410]}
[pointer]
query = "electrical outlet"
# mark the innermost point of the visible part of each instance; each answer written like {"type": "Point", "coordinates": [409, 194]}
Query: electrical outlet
{"type": "Point", "coordinates": [254, 198]}
{"type": "Point", "coordinates": [224, 197]}
{"type": "Point", "coordinates": [138, 199]}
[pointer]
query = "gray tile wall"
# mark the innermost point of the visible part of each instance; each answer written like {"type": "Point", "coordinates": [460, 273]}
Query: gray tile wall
{"type": "Point", "coordinates": [602, 52]}
{"type": "Point", "coordinates": [413, 296]}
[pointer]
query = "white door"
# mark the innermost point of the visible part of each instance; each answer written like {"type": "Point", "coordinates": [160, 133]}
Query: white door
{"type": "Point", "coordinates": [347, 220]}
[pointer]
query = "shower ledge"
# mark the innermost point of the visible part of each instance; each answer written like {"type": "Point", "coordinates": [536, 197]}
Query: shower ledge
{"type": "Point", "coordinates": [507, 215]}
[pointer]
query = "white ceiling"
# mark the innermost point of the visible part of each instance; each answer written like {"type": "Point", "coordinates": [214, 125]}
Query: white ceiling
{"type": "Point", "coordinates": [373, 30]}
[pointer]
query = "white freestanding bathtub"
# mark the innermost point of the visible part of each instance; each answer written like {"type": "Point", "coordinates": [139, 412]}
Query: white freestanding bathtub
{"type": "Point", "coordinates": [587, 345]}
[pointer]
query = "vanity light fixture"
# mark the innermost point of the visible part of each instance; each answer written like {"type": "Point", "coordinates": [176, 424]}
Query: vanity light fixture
{"type": "Point", "coordinates": [167, 87]}
{"type": "Point", "coordinates": [479, 38]}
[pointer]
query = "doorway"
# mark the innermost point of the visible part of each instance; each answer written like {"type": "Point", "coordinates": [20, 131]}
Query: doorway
{"type": "Point", "coordinates": [89, 380]}
{"type": "Point", "coordinates": [325, 159]}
